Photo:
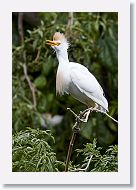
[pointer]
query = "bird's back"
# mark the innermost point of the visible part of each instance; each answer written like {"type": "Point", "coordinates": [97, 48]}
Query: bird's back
{"type": "Point", "coordinates": [86, 88]}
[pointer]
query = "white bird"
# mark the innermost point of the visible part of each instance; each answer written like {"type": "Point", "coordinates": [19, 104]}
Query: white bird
{"type": "Point", "coordinates": [75, 79]}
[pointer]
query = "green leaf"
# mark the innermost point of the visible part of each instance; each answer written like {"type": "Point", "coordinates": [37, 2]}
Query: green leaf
{"type": "Point", "coordinates": [40, 82]}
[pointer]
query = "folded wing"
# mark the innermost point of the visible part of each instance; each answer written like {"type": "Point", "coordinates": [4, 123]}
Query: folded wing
{"type": "Point", "coordinates": [88, 84]}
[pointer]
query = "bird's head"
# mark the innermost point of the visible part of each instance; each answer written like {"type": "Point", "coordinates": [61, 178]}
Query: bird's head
{"type": "Point", "coordinates": [59, 42]}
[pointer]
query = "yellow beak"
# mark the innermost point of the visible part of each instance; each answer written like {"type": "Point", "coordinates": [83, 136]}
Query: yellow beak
{"type": "Point", "coordinates": [52, 43]}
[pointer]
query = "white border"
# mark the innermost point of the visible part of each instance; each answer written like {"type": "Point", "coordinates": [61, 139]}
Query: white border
{"type": "Point", "coordinates": [6, 174]}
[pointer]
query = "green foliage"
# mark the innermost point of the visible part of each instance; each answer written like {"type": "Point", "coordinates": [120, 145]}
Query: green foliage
{"type": "Point", "coordinates": [93, 43]}
{"type": "Point", "coordinates": [100, 162]}
{"type": "Point", "coordinates": [32, 152]}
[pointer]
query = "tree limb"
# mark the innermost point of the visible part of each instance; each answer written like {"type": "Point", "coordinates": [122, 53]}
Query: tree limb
{"type": "Point", "coordinates": [76, 129]}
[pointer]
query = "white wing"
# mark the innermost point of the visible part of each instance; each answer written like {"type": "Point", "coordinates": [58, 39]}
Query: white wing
{"type": "Point", "coordinates": [87, 84]}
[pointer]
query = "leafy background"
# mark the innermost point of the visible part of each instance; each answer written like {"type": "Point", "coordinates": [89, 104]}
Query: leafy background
{"type": "Point", "coordinates": [40, 118]}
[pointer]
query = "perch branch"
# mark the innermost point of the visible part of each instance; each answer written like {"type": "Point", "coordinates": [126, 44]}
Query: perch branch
{"type": "Point", "coordinates": [21, 34]}
{"type": "Point", "coordinates": [70, 148]}
{"type": "Point", "coordinates": [76, 129]}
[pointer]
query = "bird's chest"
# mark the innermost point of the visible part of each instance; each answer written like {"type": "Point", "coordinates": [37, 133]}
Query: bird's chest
{"type": "Point", "coordinates": [62, 81]}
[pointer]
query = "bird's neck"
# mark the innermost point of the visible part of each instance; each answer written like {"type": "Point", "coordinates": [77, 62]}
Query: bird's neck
{"type": "Point", "coordinates": [62, 57]}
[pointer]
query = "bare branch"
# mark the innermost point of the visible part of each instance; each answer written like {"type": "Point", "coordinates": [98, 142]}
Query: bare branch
{"type": "Point", "coordinates": [21, 33]}
{"type": "Point", "coordinates": [76, 129]}
{"type": "Point", "coordinates": [31, 86]}
{"type": "Point", "coordinates": [38, 54]}
{"type": "Point", "coordinates": [71, 144]}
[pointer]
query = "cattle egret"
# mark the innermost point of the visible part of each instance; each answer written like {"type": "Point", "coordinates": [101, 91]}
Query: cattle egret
{"type": "Point", "coordinates": [75, 79]}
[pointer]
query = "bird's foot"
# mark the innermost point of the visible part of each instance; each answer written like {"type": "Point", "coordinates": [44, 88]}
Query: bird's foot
{"type": "Point", "coordinates": [90, 109]}
{"type": "Point", "coordinates": [85, 115]}
{"type": "Point", "coordinates": [79, 117]}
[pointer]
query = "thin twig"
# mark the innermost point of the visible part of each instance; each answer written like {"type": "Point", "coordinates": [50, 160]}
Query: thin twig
{"type": "Point", "coordinates": [76, 116]}
{"type": "Point", "coordinates": [111, 117]}
{"type": "Point", "coordinates": [21, 33]}
{"type": "Point", "coordinates": [100, 111]}
{"type": "Point", "coordinates": [79, 117]}
{"type": "Point", "coordinates": [84, 169]}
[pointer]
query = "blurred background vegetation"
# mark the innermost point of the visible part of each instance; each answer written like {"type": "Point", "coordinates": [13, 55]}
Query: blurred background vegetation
{"type": "Point", "coordinates": [93, 41]}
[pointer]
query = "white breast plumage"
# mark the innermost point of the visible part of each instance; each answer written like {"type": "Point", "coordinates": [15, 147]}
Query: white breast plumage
{"type": "Point", "coordinates": [62, 83]}
{"type": "Point", "coordinates": [59, 83]}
